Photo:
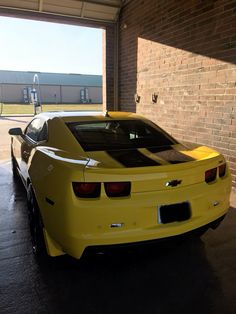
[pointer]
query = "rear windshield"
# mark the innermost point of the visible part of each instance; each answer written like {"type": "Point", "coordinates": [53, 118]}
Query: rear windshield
{"type": "Point", "coordinates": [119, 134]}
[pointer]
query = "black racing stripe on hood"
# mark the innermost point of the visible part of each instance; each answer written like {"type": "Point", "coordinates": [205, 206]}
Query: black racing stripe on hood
{"type": "Point", "coordinates": [169, 154]}
{"type": "Point", "coordinates": [132, 158]}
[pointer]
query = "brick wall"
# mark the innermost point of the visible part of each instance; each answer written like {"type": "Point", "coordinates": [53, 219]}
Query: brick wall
{"type": "Point", "coordinates": [185, 52]}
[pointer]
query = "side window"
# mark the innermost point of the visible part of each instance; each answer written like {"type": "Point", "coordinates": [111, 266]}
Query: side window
{"type": "Point", "coordinates": [37, 130]}
{"type": "Point", "coordinates": [43, 135]}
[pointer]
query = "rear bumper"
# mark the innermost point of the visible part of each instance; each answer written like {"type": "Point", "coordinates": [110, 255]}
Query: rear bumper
{"type": "Point", "coordinates": [77, 251]}
{"type": "Point", "coordinates": [76, 247]}
{"type": "Point", "coordinates": [88, 223]}
{"type": "Point", "coordinates": [150, 243]}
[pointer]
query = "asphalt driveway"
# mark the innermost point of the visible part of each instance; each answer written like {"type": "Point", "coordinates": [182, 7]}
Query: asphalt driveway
{"type": "Point", "coordinates": [5, 124]}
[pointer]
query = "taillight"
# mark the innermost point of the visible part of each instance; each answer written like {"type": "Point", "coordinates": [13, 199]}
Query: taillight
{"type": "Point", "coordinates": [210, 175]}
{"type": "Point", "coordinates": [222, 170]}
{"type": "Point", "coordinates": [87, 189]}
{"type": "Point", "coordinates": [117, 189]}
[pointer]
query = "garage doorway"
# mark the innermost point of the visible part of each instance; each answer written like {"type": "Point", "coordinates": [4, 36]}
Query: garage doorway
{"type": "Point", "coordinates": [57, 66]}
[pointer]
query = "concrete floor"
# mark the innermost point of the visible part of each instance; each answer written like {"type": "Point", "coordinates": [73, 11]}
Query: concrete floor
{"type": "Point", "coordinates": [191, 276]}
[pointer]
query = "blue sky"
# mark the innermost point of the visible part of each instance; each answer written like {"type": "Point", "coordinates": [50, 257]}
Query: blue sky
{"type": "Point", "coordinates": [27, 45]}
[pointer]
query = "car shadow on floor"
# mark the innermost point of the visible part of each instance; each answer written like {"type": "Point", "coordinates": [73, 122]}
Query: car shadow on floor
{"type": "Point", "coordinates": [167, 278]}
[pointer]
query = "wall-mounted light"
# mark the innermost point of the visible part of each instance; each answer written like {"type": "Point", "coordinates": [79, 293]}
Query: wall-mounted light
{"type": "Point", "coordinates": [123, 26]}
{"type": "Point", "coordinates": [154, 98]}
{"type": "Point", "coordinates": [137, 98]}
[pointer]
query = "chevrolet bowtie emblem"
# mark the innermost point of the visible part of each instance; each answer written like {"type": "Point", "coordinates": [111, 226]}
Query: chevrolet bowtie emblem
{"type": "Point", "coordinates": [173, 183]}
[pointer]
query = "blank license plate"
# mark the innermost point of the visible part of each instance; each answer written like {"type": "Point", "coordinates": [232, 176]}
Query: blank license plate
{"type": "Point", "coordinates": [174, 212]}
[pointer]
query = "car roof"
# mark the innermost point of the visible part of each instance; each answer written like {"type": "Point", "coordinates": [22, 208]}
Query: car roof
{"type": "Point", "coordinates": [73, 116]}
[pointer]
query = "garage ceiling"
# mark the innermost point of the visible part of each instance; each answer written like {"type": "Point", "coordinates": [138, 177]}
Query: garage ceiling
{"type": "Point", "coordinates": [95, 10]}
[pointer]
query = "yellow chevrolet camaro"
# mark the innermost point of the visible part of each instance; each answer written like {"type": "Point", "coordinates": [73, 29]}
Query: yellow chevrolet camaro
{"type": "Point", "coordinates": [99, 179]}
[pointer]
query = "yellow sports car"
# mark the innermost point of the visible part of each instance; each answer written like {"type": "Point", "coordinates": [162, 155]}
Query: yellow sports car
{"type": "Point", "coordinates": [99, 179]}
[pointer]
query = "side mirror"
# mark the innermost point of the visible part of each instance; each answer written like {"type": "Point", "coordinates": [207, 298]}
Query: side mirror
{"type": "Point", "coordinates": [15, 131]}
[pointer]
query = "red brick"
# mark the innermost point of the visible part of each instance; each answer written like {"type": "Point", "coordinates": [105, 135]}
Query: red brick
{"type": "Point", "coordinates": [186, 52]}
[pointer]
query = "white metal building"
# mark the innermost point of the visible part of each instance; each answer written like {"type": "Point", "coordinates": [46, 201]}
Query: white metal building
{"type": "Point", "coordinates": [15, 87]}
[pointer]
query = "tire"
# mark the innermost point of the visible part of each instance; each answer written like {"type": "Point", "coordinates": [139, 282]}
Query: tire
{"type": "Point", "coordinates": [35, 224]}
{"type": "Point", "coordinates": [15, 172]}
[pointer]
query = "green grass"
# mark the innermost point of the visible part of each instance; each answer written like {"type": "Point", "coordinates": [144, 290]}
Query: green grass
{"type": "Point", "coordinates": [15, 109]}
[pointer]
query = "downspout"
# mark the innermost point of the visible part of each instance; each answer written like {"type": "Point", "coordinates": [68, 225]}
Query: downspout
{"type": "Point", "coordinates": [116, 67]}
{"type": "Point", "coordinates": [1, 99]}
